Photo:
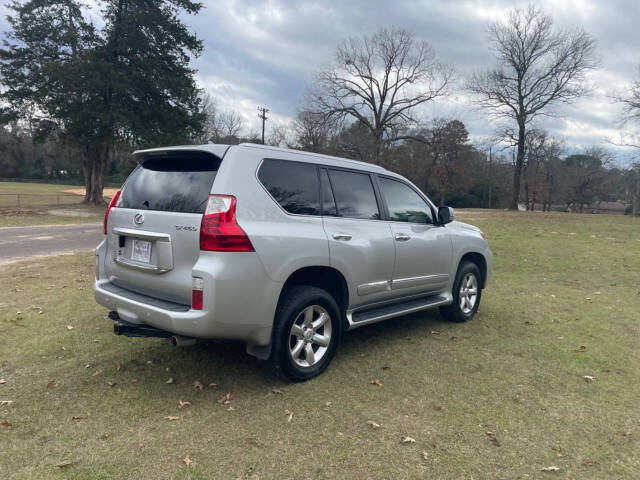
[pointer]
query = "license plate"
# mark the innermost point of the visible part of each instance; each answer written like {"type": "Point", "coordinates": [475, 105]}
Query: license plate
{"type": "Point", "coordinates": [141, 251]}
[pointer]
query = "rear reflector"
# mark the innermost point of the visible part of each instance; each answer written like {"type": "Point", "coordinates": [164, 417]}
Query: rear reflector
{"type": "Point", "coordinates": [112, 203]}
{"type": "Point", "coordinates": [197, 285]}
{"type": "Point", "coordinates": [219, 231]}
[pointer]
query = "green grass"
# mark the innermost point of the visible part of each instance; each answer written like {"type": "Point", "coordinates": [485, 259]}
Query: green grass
{"type": "Point", "coordinates": [560, 281]}
{"type": "Point", "coordinates": [43, 204]}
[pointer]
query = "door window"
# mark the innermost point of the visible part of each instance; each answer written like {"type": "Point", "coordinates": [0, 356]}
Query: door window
{"type": "Point", "coordinates": [404, 203]}
{"type": "Point", "coordinates": [354, 195]}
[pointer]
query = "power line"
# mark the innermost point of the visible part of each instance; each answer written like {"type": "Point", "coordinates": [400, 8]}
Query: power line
{"type": "Point", "coordinates": [263, 115]}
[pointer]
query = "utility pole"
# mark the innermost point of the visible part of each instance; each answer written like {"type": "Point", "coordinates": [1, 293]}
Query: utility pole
{"type": "Point", "coordinates": [263, 115]}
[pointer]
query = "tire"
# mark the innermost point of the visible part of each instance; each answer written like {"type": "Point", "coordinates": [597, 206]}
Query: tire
{"type": "Point", "coordinates": [463, 312]}
{"type": "Point", "coordinates": [290, 353]}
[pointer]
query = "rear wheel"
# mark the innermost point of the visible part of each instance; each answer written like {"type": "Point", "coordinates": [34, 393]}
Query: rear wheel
{"type": "Point", "coordinates": [306, 332]}
{"type": "Point", "coordinates": [466, 294]}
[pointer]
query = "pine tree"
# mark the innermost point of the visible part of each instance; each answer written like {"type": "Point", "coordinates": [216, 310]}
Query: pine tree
{"type": "Point", "coordinates": [128, 81]}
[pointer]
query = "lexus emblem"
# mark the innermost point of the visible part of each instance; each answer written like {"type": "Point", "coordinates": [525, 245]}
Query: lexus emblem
{"type": "Point", "coordinates": [138, 218]}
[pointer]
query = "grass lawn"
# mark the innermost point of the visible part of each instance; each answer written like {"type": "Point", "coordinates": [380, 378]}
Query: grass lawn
{"type": "Point", "coordinates": [501, 397]}
{"type": "Point", "coordinates": [43, 204]}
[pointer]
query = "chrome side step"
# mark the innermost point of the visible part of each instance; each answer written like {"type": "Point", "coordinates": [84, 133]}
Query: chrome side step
{"type": "Point", "coordinates": [377, 314]}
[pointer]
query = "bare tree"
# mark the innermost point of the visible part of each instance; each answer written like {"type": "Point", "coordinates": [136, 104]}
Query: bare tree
{"type": "Point", "coordinates": [209, 110]}
{"type": "Point", "coordinates": [230, 124]}
{"type": "Point", "coordinates": [631, 102]}
{"type": "Point", "coordinates": [538, 66]}
{"type": "Point", "coordinates": [312, 132]}
{"type": "Point", "coordinates": [378, 81]}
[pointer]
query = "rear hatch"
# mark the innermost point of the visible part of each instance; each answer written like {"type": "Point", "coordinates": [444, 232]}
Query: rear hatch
{"type": "Point", "coordinates": [153, 232]}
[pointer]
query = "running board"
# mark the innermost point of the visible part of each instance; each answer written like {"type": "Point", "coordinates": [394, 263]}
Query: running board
{"type": "Point", "coordinates": [378, 314]}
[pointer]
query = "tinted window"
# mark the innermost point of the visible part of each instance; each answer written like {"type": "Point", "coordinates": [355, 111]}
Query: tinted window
{"type": "Point", "coordinates": [293, 185]}
{"type": "Point", "coordinates": [354, 195]}
{"type": "Point", "coordinates": [404, 204]}
{"type": "Point", "coordinates": [179, 182]}
{"type": "Point", "coordinates": [328, 202]}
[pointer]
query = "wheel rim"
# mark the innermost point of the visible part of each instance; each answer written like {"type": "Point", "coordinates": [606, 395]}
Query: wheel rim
{"type": "Point", "coordinates": [310, 336]}
{"type": "Point", "coordinates": [468, 293]}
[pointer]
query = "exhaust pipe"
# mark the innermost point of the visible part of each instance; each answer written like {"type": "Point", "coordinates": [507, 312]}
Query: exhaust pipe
{"type": "Point", "coordinates": [178, 341]}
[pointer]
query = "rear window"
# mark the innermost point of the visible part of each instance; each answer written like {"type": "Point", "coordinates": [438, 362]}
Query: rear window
{"type": "Point", "coordinates": [293, 185]}
{"type": "Point", "coordinates": [173, 182]}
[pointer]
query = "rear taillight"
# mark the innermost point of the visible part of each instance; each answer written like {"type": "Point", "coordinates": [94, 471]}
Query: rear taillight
{"type": "Point", "coordinates": [197, 285]}
{"type": "Point", "coordinates": [219, 231]}
{"type": "Point", "coordinates": [111, 205]}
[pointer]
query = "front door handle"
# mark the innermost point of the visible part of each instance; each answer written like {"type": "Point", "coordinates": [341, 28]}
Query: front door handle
{"type": "Point", "coordinates": [341, 236]}
{"type": "Point", "coordinates": [402, 237]}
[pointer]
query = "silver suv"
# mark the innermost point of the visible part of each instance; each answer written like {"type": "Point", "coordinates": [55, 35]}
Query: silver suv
{"type": "Point", "coordinates": [279, 248]}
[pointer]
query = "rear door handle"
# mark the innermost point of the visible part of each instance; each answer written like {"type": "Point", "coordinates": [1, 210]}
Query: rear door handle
{"type": "Point", "coordinates": [341, 236]}
{"type": "Point", "coordinates": [402, 237]}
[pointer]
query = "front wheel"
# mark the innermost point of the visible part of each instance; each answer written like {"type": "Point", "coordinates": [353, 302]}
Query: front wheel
{"type": "Point", "coordinates": [466, 294]}
{"type": "Point", "coordinates": [306, 332]}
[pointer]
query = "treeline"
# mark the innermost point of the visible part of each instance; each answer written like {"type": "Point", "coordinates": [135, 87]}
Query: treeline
{"type": "Point", "coordinates": [79, 95]}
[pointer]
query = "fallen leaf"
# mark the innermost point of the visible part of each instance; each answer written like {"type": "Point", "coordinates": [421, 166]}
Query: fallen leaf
{"type": "Point", "coordinates": [111, 384]}
{"type": "Point", "coordinates": [172, 417]}
{"type": "Point", "coordinates": [560, 452]}
{"type": "Point", "coordinates": [187, 461]}
{"type": "Point", "coordinates": [149, 362]}
{"type": "Point", "coordinates": [588, 463]}
{"type": "Point", "coordinates": [170, 380]}
{"type": "Point", "coordinates": [66, 463]}
{"type": "Point", "coordinates": [290, 414]}
{"type": "Point", "coordinates": [373, 424]}
{"type": "Point", "coordinates": [182, 404]}
{"type": "Point", "coordinates": [328, 404]}
{"type": "Point", "coordinates": [96, 373]}
{"type": "Point", "coordinates": [77, 418]}
{"type": "Point", "coordinates": [51, 384]}
{"type": "Point", "coordinates": [550, 469]}
{"type": "Point", "coordinates": [5, 402]}
{"type": "Point", "coordinates": [6, 424]}
{"type": "Point", "coordinates": [425, 455]}
{"type": "Point", "coordinates": [408, 440]}
{"type": "Point", "coordinates": [376, 381]}
{"type": "Point", "coordinates": [118, 367]}
{"type": "Point", "coordinates": [197, 385]}
{"type": "Point", "coordinates": [581, 349]}
{"type": "Point", "coordinates": [69, 327]}
{"type": "Point", "coordinates": [454, 338]}
{"type": "Point", "coordinates": [434, 332]}
{"type": "Point", "coordinates": [626, 434]}
{"type": "Point", "coordinates": [213, 385]}
{"type": "Point", "coordinates": [226, 398]}
{"type": "Point", "coordinates": [386, 367]}
{"type": "Point", "coordinates": [2, 381]}
{"type": "Point", "coordinates": [277, 391]}
{"type": "Point", "coordinates": [493, 438]}
{"type": "Point", "coordinates": [588, 378]}
{"type": "Point", "coordinates": [134, 380]}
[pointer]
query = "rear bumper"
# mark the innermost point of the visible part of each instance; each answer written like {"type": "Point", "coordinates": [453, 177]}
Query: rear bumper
{"type": "Point", "coordinates": [239, 300]}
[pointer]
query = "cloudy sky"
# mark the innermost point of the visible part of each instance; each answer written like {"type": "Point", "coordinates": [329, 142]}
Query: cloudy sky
{"type": "Point", "coordinates": [264, 52]}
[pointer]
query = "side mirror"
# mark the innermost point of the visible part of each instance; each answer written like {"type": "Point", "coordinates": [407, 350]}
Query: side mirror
{"type": "Point", "coordinates": [446, 215]}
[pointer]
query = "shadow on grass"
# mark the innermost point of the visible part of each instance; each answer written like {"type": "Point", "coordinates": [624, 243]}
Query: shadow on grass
{"type": "Point", "coordinates": [153, 361]}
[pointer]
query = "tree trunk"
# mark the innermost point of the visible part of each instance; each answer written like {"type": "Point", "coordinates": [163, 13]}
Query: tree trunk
{"type": "Point", "coordinates": [517, 174]}
{"type": "Point", "coordinates": [94, 166]}
{"type": "Point", "coordinates": [636, 196]}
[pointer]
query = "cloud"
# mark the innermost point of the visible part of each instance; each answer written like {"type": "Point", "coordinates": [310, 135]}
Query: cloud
{"type": "Point", "coordinates": [265, 52]}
